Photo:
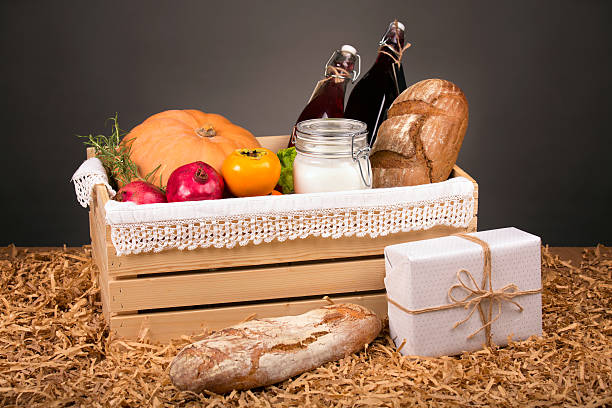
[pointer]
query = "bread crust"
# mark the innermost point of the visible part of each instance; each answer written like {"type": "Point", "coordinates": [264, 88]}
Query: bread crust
{"type": "Point", "coordinates": [421, 138]}
{"type": "Point", "coordinates": [265, 351]}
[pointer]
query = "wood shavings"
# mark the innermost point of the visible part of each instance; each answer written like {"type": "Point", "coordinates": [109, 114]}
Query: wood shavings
{"type": "Point", "coordinates": [55, 350]}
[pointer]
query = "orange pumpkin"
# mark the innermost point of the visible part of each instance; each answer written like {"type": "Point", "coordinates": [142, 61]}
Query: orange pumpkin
{"type": "Point", "coordinates": [177, 137]}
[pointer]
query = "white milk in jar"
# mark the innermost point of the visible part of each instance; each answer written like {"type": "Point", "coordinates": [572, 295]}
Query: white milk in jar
{"type": "Point", "coordinates": [332, 155]}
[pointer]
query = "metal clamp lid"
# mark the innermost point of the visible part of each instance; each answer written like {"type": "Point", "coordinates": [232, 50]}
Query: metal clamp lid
{"type": "Point", "coordinates": [362, 153]}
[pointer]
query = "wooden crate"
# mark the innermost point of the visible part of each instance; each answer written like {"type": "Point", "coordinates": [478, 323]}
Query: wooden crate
{"type": "Point", "coordinates": [175, 292]}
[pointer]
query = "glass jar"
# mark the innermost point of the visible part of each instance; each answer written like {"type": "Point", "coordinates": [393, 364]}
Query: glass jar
{"type": "Point", "coordinates": [332, 155]}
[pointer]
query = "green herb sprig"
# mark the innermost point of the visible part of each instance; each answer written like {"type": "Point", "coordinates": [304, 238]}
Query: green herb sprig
{"type": "Point", "coordinates": [114, 153]}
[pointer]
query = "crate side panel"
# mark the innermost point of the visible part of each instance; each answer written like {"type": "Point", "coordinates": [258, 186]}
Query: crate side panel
{"type": "Point", "coordinates": [98, 246]}
{"type": "Point", "coordinates": [171, 325]}
{"type": "Point", "coordinates": [100, 249]}
{"type": "Point", "coordinates": [473, 227]}
{"type": "Point", "coordinates": [459, 172]}
{"type": "Point", "coordinates": [251, 284]}
{"type": "Point", "coordinates": [274, 143]}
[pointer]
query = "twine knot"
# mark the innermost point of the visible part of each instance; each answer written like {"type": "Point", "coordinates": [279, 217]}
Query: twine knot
{"type": "Point", "coordinates": [337, 74]}
{"type": "Point", "coordinates": [474, 298]}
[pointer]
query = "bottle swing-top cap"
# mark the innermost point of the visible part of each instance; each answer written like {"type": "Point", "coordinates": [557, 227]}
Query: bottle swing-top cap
{"type": "Point", "coordinates": [399, 25]}
{"type": "Point", "coordinates": [394, 26]}
{"type": "Point", "coordinates": [349, 48]}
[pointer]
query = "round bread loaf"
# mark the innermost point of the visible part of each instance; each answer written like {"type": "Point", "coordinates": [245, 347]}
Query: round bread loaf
{"type": "Point", "coordinates": [420, 140]}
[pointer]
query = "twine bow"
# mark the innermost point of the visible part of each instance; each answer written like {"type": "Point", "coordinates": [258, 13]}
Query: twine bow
{"type": "Point", "coordinates": [477, 294]}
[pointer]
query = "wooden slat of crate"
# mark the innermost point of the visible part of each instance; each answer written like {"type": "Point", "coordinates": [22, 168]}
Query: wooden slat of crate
{"type": "Point", "coordinates": [247, 284]}
{"type": "Point", "coordinates": [308, 249]}
{"type": "Point", "coordinates": [168, 325]}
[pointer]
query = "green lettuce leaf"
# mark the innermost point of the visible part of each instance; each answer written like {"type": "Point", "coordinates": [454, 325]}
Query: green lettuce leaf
{"type": "Point", "coordinates": [286, 157]}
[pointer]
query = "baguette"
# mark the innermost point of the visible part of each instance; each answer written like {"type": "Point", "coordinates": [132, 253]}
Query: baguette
{"type": "Point", "coordinates": [266, 351]}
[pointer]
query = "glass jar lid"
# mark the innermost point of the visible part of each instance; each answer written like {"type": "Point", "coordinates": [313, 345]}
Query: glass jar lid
{"type": "Point", "coordinates": [332, 137]}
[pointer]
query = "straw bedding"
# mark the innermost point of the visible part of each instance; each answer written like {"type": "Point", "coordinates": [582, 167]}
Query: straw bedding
{"type": "Point", "coordinates": [55, 350]}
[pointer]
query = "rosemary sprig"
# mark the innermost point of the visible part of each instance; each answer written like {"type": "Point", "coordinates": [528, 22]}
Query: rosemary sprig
{"type": "Point", "coordinates": [114, 153]}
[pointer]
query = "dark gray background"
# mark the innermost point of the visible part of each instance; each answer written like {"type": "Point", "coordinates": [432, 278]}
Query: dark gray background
{"type": "Point", "coordinates": [536, 75]}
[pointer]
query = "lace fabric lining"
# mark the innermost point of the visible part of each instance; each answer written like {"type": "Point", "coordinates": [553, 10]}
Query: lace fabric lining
{"type": "Point", "coordinates": [240, 221]}
{"type": "Point", "coordinates": [90, 173]}
{"type": "Point", "coordinates": [334, 223]}
{"type": "Point", "coordinates": [229, 231]}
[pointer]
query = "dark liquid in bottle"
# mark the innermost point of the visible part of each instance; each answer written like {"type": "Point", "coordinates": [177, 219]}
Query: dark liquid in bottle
{"type": "Point", "coordinates": [373, 94]}
{"type": "Point", "coordinates": [327, 100]}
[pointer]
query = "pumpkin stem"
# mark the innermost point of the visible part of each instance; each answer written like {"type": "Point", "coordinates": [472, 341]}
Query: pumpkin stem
{"type": "Point", "coordinates": [200, 176]}
{"type": "Point", "coordinates": [206, 131]}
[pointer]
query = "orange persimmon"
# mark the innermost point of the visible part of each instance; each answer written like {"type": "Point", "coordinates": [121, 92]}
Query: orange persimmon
{"type": "Point", "coordinates": [251, 172]}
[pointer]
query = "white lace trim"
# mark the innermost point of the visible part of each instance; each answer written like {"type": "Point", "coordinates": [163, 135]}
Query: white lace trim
{"type": "Point", "coordinates": [90, 173]}
{"type": "Point", "coordinates": [240, 221]}
{"type": "Point", "coordinates": [227, 231]}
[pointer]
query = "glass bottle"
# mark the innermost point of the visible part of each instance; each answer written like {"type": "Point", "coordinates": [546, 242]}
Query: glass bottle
{"type": "Point", "coordinates": [327, 99]}
{"type": "Point", "coordinates": [374, 93]}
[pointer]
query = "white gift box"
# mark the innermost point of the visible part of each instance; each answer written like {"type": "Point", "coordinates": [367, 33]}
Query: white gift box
{"type": "Point", "coordinates": [418, 278]}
